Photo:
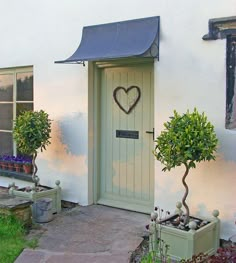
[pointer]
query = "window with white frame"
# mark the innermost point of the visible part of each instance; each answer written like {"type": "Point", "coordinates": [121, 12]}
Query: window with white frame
{"type": "Point", "coordinates": [16, 95]}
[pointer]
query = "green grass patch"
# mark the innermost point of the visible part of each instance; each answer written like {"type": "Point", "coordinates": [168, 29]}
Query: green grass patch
{"type": "Point", "coordinates": [12, 238]}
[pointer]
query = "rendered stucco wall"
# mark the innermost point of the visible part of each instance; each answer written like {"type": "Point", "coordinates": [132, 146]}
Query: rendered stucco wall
{"type": "Point", "coordinates": [191, 72]}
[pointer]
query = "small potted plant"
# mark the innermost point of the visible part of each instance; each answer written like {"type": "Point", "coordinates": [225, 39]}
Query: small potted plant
{"type": "Point", "coordinates": [187, 140]}
{"type": "Point", "coordinates": [9, 162]}
{"type": "Point", "coordinates": [18, 164]}
{"type": "Point", "coordinates": [27, 167]}
{"type": "Point", "coordinates": [2, 162]}
{"type": "Point", "coordinates": [31, 133]}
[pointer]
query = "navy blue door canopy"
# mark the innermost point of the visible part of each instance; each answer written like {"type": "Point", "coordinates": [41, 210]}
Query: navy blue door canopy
{"type": "Point", "coordinates": [132, 38]}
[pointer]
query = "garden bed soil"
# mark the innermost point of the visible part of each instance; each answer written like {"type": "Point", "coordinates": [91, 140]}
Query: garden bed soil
{"type": "Point", "coordinates": [3, 190]}
{"type": "Point", "coordinates": [39, 188]}
{"type": "Point", "coordinates": [143, 249]}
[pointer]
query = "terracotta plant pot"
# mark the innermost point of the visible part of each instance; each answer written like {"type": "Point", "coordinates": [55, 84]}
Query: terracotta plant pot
{"type": "Point", "coordinates": [18, 167]}
{"type": "Point", "coordinates": [2, 165]}
{"type": "Point", "coordinates": [27, 169]}
{"type": "Point", "coordinates": [5, 166]}
{"type": "Point", "coordinates": [10, 166]}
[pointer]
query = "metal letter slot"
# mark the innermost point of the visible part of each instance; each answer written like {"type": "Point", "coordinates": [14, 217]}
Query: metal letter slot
{"type": "Point", "coordinates": [127, 134]}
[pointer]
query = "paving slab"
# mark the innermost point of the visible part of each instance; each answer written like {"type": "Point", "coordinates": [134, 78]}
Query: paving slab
{"type": "Point", "coordinates": [88, 234]}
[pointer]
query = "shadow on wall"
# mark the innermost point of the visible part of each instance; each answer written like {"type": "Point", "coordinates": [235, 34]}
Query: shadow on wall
{"type": "Point", "coordinates": [227, 145]}
{"type": "Point", "coordinates": [67, 152]}
{"type": "Point", "coordinates": [227, 223]}
{"type": "Point", "coordinates": [74, 131]}
{"type": "Point", "coordinates": [202, 210]}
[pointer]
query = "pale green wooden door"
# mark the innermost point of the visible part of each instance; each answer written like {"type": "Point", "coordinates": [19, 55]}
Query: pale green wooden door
{"type": "Point", "coordinates": [127, 164]}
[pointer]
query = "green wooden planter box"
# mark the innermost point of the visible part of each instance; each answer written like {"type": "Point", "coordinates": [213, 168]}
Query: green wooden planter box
{"type": "Point", "coordinates": [185, 244]}
{"type": "Point", "coordinates": [53, 193]}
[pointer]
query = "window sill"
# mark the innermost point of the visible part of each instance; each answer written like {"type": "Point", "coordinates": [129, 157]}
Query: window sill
{"type": "Point", "coordinates": [16, 175]}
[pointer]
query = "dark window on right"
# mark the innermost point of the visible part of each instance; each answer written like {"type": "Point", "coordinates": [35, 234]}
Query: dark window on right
{"type": "Point", "coordinates": [230, 122]}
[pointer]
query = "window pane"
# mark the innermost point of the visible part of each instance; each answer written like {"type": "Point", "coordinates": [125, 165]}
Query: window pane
{"type": "Point", "coordinates": [6, 87]}
{"type": "Point", "coordinates": [6, 115]}
{"type": "Point", "coordinates": [24, 86]}
{"type": "Point", "coordinates": [6, 143]}
{"type": "Point", "coordinates": [23, 107]}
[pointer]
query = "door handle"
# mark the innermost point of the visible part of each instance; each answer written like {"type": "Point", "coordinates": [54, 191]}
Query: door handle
{"type": "Point", "coordinates": [152, 132]}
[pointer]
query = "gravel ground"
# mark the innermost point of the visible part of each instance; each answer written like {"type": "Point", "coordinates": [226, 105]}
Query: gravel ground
{"type": "Point", "coordinates": [140, 251]}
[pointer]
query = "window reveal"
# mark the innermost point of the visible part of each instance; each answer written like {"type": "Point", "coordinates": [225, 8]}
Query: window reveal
{"type": "Point", "coordinates": [231, 83]}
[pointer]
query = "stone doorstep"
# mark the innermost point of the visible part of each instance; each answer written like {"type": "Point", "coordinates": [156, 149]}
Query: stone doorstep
{"type": "Point", "coordinates": [3, 190]}
{"type": "Point", "coordinates": [10, 202]}
{"type": "Point", "coordinates": [21, 208]}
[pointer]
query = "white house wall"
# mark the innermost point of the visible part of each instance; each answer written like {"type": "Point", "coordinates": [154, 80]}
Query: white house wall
{"type": "Point", "coordinates": [191, 72]}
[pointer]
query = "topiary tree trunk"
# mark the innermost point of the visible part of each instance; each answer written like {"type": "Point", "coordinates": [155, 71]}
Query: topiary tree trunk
{"type": "Point", "coordinates": [186, 194]}
{"type": "Point", "coordinates": [35, 170]}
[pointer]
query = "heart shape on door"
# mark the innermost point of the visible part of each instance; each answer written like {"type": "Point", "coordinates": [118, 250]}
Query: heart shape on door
{"type": "Point", "coordinates": [116, 90]}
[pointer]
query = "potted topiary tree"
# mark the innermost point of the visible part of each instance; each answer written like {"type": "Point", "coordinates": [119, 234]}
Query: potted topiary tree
{"type": "Point", "coordinates": [187, 140]}
{"type": "Point", "coordinates": [31, 133]}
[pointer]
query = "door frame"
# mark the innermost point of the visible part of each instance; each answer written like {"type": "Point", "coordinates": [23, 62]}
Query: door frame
{"type": "Point", "coordinates": [94, 83]}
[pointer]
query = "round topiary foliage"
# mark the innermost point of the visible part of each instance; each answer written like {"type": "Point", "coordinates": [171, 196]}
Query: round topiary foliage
{"type": "Point", "coordinates": [186, 140]}
{"type": "Point", "coordinates": [31, 132]}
